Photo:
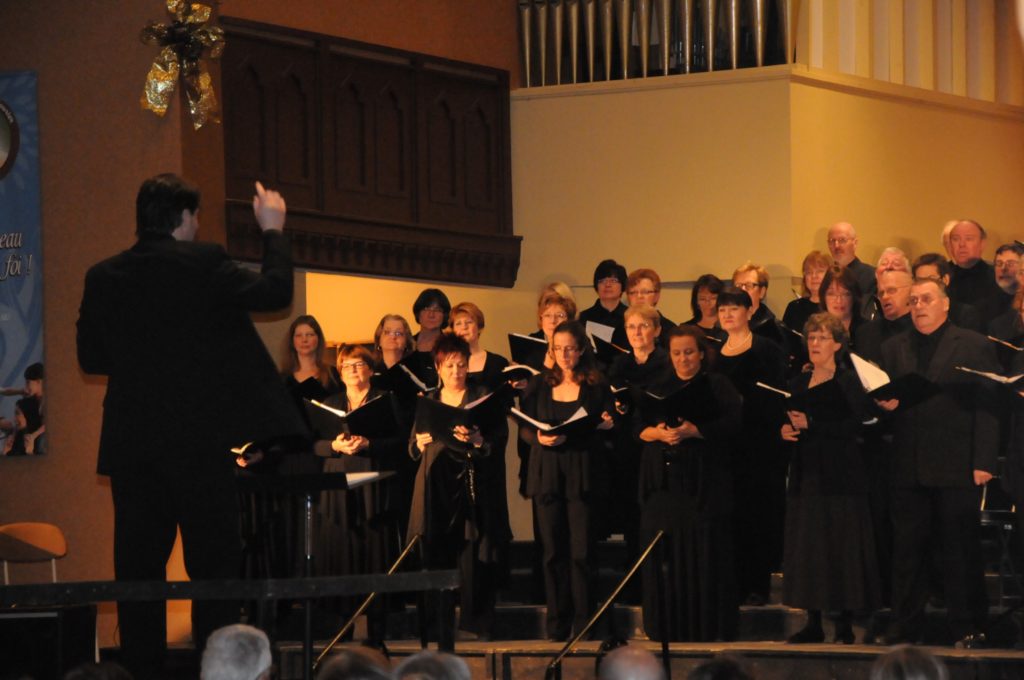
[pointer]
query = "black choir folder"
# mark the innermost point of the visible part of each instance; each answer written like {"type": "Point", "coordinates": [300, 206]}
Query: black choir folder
{"type": "Point", "coordinates": [693, 401]}
{"type": "Point", "coordinates": [517, 372]}
{"type": "Point", "coordinates": [404, 382]}
{"type": "Point", "coordinates": [911, 388]}
{"type": "Point", "coordinates": [440, 419]}
{"type": "Point", "coordinates": [373, 419]}
{"type": "Point", "coordinates": [824, 401]}
{"type": "Point", "coordinates": [527, 350]}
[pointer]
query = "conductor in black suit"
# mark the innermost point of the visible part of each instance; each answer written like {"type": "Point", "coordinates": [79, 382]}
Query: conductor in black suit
{"type": "Point", "coordinates": [188, 378]}
{"type": "Point", "coordinates": [944, 450]}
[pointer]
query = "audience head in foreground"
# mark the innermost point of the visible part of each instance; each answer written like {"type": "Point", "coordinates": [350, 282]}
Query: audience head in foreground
{"type": "Point", "coordinates": [236, 652]}
{"type": "Point", "coordinates": [908, 663]}
{"type": "Point", "coordinates": [630, 663]}
{"type": "Point", "coordinates": [430, 665]}
{"type": "Point", "coordinates": [356, 663]}
{"type": "Point", "coordinates": [723, 667]}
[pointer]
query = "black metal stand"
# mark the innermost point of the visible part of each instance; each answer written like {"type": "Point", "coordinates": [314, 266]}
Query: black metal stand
{"type": "Point", "coordinates": [554, 669]}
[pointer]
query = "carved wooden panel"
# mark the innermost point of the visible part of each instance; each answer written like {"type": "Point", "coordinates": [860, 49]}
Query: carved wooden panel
{"type": "Point", "coordinates": [270, 95]}
{"type": "Point", "coordinates": [392, 162]}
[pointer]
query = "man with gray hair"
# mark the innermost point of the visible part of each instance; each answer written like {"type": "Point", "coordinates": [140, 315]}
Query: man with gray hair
{"type": "Point", "coordinates": [630, 662]}
{"type": "Point", "coordinates": [236, 652]}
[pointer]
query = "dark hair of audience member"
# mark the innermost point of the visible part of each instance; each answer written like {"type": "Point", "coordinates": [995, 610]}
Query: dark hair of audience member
{"type": "Point", "coordinates": [721, 668]}
{"type": "Point", "coordinates": [431, 665]}
{"type": "Point", "coordinates": [356, 663]}
{"type": "Point", "coordinates": [104, 670]}
{"type": "Point", "coordinates": [908, 663]}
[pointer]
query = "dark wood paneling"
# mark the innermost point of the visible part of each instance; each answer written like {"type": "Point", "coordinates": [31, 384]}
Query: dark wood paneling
{"type": "Point", "coordinates": [270, 121]}
{"type": "Point", "coordinates": [392, 163]}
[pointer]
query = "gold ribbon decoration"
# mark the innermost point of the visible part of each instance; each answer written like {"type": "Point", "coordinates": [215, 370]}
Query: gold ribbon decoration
{"type": "Point", "coordinates": [184, 41]}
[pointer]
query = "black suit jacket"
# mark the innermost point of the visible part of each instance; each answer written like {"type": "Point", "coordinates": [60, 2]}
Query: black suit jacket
{"type": "Point", "coordinates": [168, 322]}
{"type": "Point", "coordinates": [940, 441]}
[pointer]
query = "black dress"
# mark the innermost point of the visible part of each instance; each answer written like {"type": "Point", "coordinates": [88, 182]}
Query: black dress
{"type": "Point", "coordinates": [798, 312]}
{"type": "Point", "coordinates": [560, 480]}
{"type": "Point", "coordinates": [357, 531]}
{"type": "Point", "coordinates": [686, 491]}
{"type": "Point", "coordinates": [760, 465]}
{"type": "Point", "coordinates": [463, 519]}
{"type": "Point", "coordinates": [830, 560]}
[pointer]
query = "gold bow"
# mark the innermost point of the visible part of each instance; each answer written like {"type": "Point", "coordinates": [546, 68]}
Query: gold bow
{"type": "Point", "coordinates": [183, 42]}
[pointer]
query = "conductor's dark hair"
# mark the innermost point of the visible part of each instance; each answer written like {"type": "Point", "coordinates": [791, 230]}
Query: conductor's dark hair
{"type": "Point", "coordinates": [721, 668]}
{"type": "Point", "coordinates": [731, 295]}
{"type": "Point", "coordinates": [428, 297]}
{"type": "Point", "coordinates": [610, 269]}
{"type": "Point", "coordinates": [448, 344]}
{"type": "Point", "coordinates": [711, 284]}
{"type": "Point", "coordinates": [940, 263]}
{"type": "Point", "coordinates": [160, 201]}
{"type": "Point", "coordinates": [34, 371]}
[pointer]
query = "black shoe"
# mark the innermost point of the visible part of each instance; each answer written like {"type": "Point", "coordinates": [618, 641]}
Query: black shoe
{"type": "Point", "coordinates": [844, 635]}
{"type": "Point", "coordinates": [807, 635]}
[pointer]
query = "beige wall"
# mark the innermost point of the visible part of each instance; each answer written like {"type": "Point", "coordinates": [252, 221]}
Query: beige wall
{"type": "Point", "coordinates": [899, 164]}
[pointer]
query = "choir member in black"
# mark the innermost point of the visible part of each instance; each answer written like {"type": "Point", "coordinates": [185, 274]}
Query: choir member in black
{"type": "Point", "coordinates": [559, 477]}
{"type": "Point", "coordinates": [358, 530]}
{"type": "Point", "coordinates": [840, 297]}
{"type": "Point", "coordinates": [829, 558]}
{"type": "Point", "coordinates": [894, 303]}
{"type": "Point", "coordinates": [814, 266]}
{"type": "Point", "coordinates": [485, 372]}
{"type": "Point", "coordinates": [307, 374]}
{"type": "Point", "coordinates": [608, 310]}
{"type": "Point", "coordinates": [704, 303]}
{"type": "Point", "coordinates": [1007, 270]}
{"type": "Point", "coordinates": [392, 341]}
{"type": "Point", "coordinates": [1009, 327]}
{"type": "Point", "coordinates": [635, 371]}
{"type": "Point", "coordinates": [961, 313]}
{"type": "Point", "coordinates": [455, 506]}
{"type": "Point", "coordinates": [431, 311]}
{"type": "Point", "coordinates": [643, 287]}
{"type": "Point", "coordinates": [686, 490]}
{"type": "Point", "coordinates": [1013, 477]}
{"type": "Point", "coordinates": [753, 279]}
{"type": "Point", "coordinates": [760, 466]}
{"type": "Point", "coordinates": [973, 280]}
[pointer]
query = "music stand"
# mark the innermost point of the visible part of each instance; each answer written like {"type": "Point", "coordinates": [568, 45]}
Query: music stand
{"type": "Point", "coordinates": [307, 485]}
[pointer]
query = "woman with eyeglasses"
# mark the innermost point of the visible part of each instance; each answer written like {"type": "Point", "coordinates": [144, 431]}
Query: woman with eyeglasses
{"type": "Point", "coordinates": [747, 358]}
{"type": "Point", "coordinates": [840, 296]}
{"type": "Point", "coordinates": [686, 491]}
{"type": "Point", "coordinates": [358, 530]}
{"type": "Point", "coordinates": [643, 287]}
{"type": "Point", "coordinates": [609, 284]}
{"type": "Point", "coordinates": [814, 266]}
{"type": "Point", "coordinates": [632, 374]}
{"type": "Point", "coordinates": [431, 311]}
{"type": "Point", "coordinates": [704, 303]}
{"type": "Point", "coordinates": [830, 557]}
{"type": "Point", "coordinates": [462, 523]}
{"type": "Point", "coordinates": [560, 473]}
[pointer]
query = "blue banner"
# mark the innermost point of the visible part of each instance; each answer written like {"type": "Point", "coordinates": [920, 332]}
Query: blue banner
{"type": "Point", "coordinates": [21, 276]}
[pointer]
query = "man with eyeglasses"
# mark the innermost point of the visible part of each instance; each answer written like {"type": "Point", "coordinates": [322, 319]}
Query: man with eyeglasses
{"type": "Point", "coordinates": [945, 449]}
{"type": "Point", "coordinates": [972, 280]}
{"type": "Point", "coordinates": [842, 243]}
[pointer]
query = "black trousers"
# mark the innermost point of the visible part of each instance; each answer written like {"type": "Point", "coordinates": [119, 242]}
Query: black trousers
{"type": "Point", "coordinates": [149, 508]}
{"type": "Point", "coordinates": [565, 535]}
{"type": "Point", "coordinates": [921, 516]}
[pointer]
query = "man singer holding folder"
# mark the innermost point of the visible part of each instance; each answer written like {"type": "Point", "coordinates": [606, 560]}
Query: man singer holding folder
{"type": "Point", "coordinates": [944, 451]}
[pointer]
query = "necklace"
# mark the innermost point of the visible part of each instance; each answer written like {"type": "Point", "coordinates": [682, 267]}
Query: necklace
{"type": "Point", "coordinates": [735, 345]}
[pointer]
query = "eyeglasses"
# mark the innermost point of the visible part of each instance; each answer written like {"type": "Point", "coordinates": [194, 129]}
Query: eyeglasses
{"type": "Point", "coordinates": [838, 241]}
{"type": "Point", "coordinates": [749, 286]}
{"type": "Point", "coordinates": [707, 300]}
{"type": "Point", "coordinates": [353, 365]}
{"type": "Point", "coordinates": [554, 316]}
{"type": "Point", "coordinates": [567, 349]}
{"type": "Point", "coordinates": [815, 339]}
{"type": "Point", "coordinates": [1007, 264]}
{"type": "Point", "coordinates": [634, 327]}
{"type": "Point", "coordinates": [608, 280]}
{"type": "Point", "coordinates": [393, 334]}
{"type": "Point", "coordinates": [925, 300]}
{"type": "Point", "coordinates": [645, 291]}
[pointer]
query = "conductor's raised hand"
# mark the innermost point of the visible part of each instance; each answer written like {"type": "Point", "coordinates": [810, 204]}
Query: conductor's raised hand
{"type": "Point", "coordinates": [269, 208]}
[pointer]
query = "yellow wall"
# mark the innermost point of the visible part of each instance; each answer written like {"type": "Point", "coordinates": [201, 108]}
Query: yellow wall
{"type": "Point", "coordinates": [898, 167]}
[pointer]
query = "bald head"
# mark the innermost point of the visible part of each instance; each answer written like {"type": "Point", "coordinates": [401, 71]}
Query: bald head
{"type": "Point", "coordinates": [631, 663]}
{"type": "Point", "coordinates": [842, 243]}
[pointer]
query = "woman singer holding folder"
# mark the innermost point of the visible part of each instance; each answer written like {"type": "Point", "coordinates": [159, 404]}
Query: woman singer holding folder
{"type": "Point", "coordinates": [559, 475]}
{"type": "Point", "coordinates": [358, 531]}
{"type": "Point", "coordinates": [457, 505]}
{"type": "Point", "coordinates": [830, 547]}
{"type": "Point", "coordinates": [686, 490]}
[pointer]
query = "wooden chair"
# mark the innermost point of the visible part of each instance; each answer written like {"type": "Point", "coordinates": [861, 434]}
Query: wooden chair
{"type": "Point", "coordinates": [31, 542]}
